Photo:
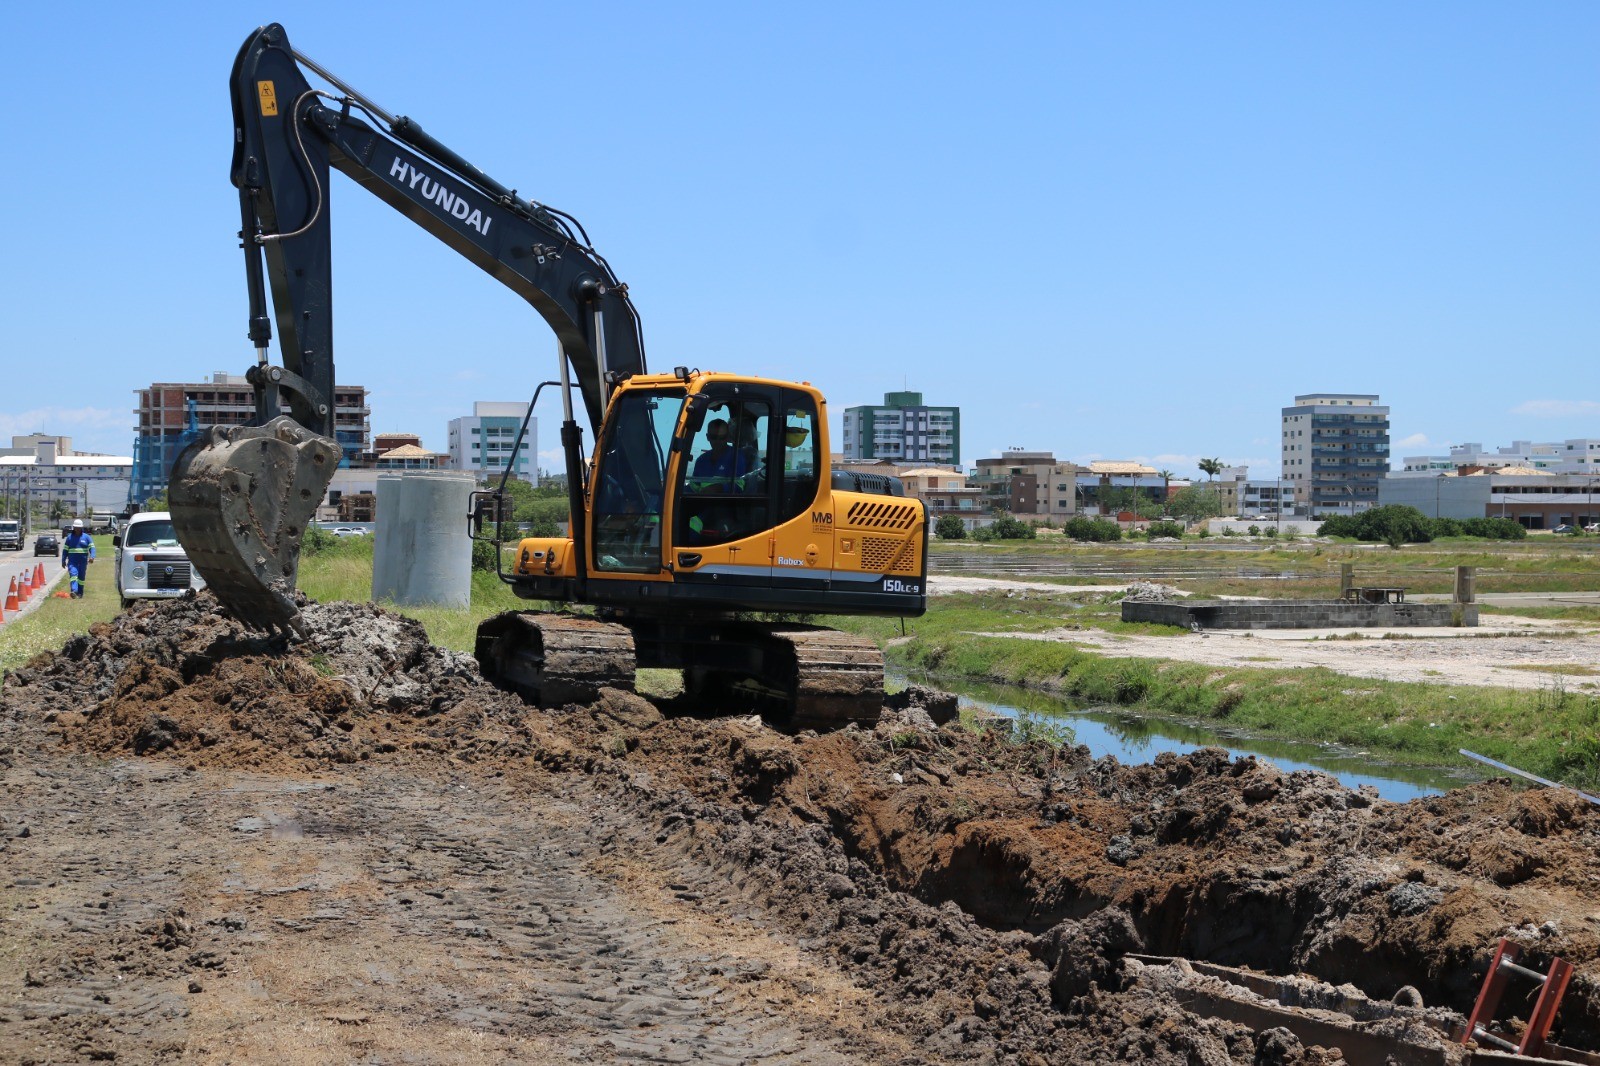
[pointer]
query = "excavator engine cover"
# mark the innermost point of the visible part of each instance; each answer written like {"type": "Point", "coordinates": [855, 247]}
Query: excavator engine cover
{"type": "Point", "coordinates": [240, 499]}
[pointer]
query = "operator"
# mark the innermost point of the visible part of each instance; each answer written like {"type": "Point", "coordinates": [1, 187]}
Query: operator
{"type": "Point", "coordinates": [77, 552]}
{"type": "Point", "coordinates": [722, 463]}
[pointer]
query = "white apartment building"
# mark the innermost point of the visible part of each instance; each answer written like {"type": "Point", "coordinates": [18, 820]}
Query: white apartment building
{"type": "Point", "coordinates": [483, 442]}
{"type": "Point", "coordinates": [1576, 456]}
{"type": "Point", "coordinates": [45, 473]}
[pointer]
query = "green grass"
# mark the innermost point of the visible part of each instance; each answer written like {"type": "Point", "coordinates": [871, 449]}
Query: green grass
{"type": "Point", "coordinates": [1569, 669]}
{"type": "Point", "coordinates": [49, 625]}
{"type": "Point", "coordinates": [1552, 731]}
{"type": "Point", "coordinates": [343, 571]}
{"type": "Point", "coordinates": [340, 571]}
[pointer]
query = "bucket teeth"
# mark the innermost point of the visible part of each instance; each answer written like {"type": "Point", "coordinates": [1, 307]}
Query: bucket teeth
{"type": "Point", "coordinates": [240, 499]}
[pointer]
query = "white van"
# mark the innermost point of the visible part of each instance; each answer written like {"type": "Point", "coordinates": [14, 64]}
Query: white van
{"type": "Point", "coordinates": [151, 564]}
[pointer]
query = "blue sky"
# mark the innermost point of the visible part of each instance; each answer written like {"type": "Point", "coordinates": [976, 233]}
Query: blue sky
{"type": "Point", "coordinates": [1120, 231]}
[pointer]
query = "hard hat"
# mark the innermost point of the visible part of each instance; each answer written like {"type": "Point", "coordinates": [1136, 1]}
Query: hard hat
{"type": "Point", "coordinates": [77, 523]}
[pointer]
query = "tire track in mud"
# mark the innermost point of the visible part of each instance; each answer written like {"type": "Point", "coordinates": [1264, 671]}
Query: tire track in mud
{"type": "Point", "coordinates": [368, 916]}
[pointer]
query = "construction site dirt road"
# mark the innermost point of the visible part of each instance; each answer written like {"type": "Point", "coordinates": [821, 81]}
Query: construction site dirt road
{"type": "Point", "coordinates": [215, 848]}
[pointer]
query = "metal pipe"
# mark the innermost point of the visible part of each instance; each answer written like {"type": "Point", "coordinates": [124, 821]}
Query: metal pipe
{"type": "Point", "coordinates": [600, 353]}
{"type": "Point", "coordinates": [327, 76]}
{"type": "Point", "coordinates": [1527, 776]}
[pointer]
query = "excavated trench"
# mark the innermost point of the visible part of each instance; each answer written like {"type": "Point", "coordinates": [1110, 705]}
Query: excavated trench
{"type": "Point", "coordinates": [987, 889]}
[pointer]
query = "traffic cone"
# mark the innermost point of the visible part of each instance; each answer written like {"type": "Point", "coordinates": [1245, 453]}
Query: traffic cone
{"type": "Point", "coordinates": [38, 575]}
{"type": "Point", "coordinates": [11, 596]}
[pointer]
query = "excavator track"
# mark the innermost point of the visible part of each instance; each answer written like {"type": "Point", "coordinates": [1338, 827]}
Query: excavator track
{"type": "Point", "coordinates": [552, 660]}
{"type": "Point", "coordinates": [830, 679]}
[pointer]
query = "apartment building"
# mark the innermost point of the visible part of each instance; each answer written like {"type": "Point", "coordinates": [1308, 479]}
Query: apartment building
{"type": "Point", "coordinates": [903, 429]}
{"type": "Point", "coordinates": [1248, 498]}
{"type": "Point", "coordinates": [171, 413]}
{"type": "Point", "coordinates": [1107, 486]}
{"type": "Point", "coordinates": [946, 492]}
{"type": "Point", "coordinates": [42, 475]}
{"type": "Point", "coordinates": [1028, 484]}
{"type": "Point", "coordinates": [1577, 456]}
{"type": "Point", "coordinates": [1335, 451]}
{"type": "Point", "coordinates": [483, 441]}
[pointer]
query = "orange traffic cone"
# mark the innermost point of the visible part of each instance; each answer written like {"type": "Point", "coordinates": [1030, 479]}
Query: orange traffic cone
{"type": "Point", "coordinates": [11, 596]}
{"type": "Point", "coordinates": [38, 575]}
{"type": "Point", "coordinates": [24, 589]}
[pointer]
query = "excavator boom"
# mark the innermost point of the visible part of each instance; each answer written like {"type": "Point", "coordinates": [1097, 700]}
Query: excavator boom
{"type": "Point", "coordinates": [242, 497]}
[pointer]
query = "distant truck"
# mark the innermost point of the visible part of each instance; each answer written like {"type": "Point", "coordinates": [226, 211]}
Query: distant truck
{"type": "Point", "coordinates": [10, 535]}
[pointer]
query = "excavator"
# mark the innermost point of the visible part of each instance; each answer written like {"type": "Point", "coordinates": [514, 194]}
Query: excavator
{"type": "Point", "coordinates": [706, 519]}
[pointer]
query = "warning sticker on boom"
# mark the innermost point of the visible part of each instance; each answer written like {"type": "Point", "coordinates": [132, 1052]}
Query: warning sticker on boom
{"type": "Point", "coordinates": [269, 97]}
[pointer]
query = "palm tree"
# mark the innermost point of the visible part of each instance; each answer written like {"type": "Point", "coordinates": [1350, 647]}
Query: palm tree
{"type": "Point", "coordinates": [1166, 486]}
{"type": "Point", "coordinates": [1210, 467]}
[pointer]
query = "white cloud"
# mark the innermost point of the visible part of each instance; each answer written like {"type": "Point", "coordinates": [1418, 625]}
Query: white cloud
{"type": "Point", "coordinates": [1416, 440]}
{"type": "Point", "coordinates": [1557, 408]}
{"type": "Point", "coordinates": [93, 429]}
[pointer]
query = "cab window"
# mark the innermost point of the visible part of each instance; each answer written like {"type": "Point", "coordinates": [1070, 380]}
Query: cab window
{"type": "Point", "coordinates": [799, 448]}
{"type": "Point", "coordinates": [724, 493]}
{"type": "Point", "coordinates": [630, 481]}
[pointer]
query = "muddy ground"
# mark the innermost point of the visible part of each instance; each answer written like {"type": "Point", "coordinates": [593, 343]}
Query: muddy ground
{"type": "Point", "coordinates": [216, 848]}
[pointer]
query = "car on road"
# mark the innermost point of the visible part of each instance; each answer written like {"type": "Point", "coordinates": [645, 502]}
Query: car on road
{"type": "Point", "coordinates": [1564, 528]}
{"type": "Point", "coordinates": [46, 544]}
{"type": "Point", "coordinates": [10, 534]}
{"type": "Point", "coordinates": [151, 564]}
{"type": "Point", "coordinates": [347, 531]}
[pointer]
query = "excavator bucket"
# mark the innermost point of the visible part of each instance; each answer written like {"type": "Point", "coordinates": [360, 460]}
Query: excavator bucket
{"type": "Point", "coordinates": [240, 499]}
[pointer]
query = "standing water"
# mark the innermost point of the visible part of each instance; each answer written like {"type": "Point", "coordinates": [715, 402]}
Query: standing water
{"type": "Point", "coordinates": [1138, 737]}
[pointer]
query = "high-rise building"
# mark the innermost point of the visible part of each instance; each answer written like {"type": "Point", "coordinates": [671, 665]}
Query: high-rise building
{"type": "Point", "coordinates": [1335, 451]}
{"type": "Point", "coordinates": [904, 430]}
{"type": "Point", "coordinates": [483, 442]}
{"type": "Point", "coordinates": [171, 413]}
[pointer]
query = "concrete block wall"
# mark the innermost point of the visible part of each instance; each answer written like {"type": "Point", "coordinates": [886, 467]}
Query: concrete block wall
{"type": "Point", "coordinates": [1298, 614]}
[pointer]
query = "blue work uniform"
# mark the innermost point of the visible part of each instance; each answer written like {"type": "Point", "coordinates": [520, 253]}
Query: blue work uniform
{"type": "Point", "coordinates": [76, 552]}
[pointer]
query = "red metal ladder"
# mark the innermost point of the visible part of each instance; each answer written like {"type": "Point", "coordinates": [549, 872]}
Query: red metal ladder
{"type": "Point", "coordinates": [1552, 986]}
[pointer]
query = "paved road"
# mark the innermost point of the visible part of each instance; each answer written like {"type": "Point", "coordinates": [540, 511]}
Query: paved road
{"type": "Point", "coordinates": [15, 564]}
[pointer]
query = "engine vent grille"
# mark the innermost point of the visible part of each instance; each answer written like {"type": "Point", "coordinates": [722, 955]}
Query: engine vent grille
{"type": "Point", "coordinates": [874, 515]}
{"type": "Point", "coordinates": [887, 555]}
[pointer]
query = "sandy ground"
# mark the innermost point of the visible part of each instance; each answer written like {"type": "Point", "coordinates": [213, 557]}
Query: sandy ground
{"type": "Point", "coordinates": [1506, 650]}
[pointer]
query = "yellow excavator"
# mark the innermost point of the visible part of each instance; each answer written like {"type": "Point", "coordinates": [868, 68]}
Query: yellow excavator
{"type": "Point", "coordinates": [708, 506]}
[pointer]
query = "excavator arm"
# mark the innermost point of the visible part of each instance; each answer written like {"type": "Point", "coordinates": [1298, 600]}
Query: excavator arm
{"type": "Point", "coordinates": [241, 496]}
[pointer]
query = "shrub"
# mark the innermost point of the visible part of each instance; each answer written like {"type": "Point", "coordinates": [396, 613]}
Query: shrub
{"type": "Point", "coordinates": [1007, 528]}
{"type": "Point", "coordinates": [949, 527]}
{"type": "Point", "coordinates": [1393, 525]}
{"type": "Point", "coordinates": [1092, 529]}
{"type": "Point", "coordinates": [1164, 529]}
{"type": "Point", "coordinates": [1254, 531]}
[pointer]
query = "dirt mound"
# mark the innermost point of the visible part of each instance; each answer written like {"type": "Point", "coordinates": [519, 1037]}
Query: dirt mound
{"type": "Point", "coordinates": [986, 891]}
{"type": "Point", "coordinates": [186, 680]}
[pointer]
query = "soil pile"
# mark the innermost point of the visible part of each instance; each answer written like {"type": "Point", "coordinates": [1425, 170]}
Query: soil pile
{"type": "Point", "coordinates": [187, 680]}
{"type": "Point", "coordinates": [981, 893]}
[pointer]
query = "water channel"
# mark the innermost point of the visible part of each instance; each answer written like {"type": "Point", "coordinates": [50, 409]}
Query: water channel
{"type": "Point", "coordinates": [1135, 736]}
